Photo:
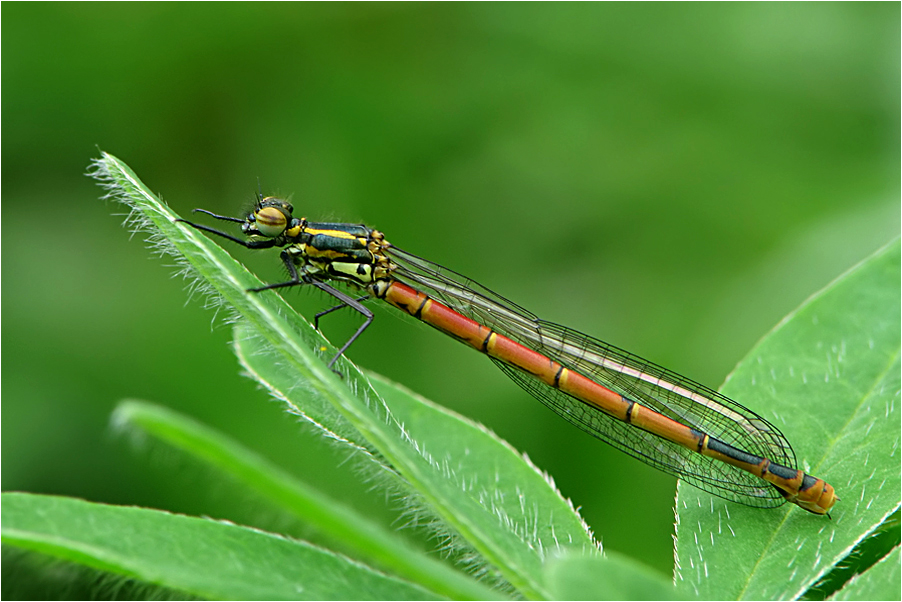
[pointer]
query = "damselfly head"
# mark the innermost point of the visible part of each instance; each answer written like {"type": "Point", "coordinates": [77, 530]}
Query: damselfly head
{"type": "Point", "coordinates": [270, 218]}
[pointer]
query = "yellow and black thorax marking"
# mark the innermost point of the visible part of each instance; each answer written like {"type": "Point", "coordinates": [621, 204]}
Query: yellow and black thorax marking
{"type": "Point", "coordinates": [349, 252]}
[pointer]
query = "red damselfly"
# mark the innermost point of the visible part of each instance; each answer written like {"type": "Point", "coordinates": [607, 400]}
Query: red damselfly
{"type": "Point", "coordinates": [666, 420]}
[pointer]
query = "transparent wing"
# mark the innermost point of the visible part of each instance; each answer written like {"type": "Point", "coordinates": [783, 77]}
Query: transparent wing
{"type": "Point", "coordinates": [657, 388]}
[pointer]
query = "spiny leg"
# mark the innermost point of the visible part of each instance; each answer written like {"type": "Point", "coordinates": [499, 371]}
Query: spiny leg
{"type": "Point", "coordinates": [348, 301]}
{"type": "Point", "coordinates": [337, 307]}
{"type": "Point", "coordinates": [249, 244]}
{"type": "Point", "coordinates": [296, 279]}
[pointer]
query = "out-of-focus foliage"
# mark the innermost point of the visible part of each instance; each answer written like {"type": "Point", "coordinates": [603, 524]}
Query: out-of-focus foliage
{"type": "Point", "coordinates": [673, 179]}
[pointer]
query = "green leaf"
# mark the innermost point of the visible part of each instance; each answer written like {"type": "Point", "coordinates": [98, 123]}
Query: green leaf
{"type": "Point", "coordinates": [203, 557]}
{"type": "Point", "coordinates": [880, 582]}
{"type": "Point", "coordinates": [514, 549]}
{"type": "Point", "coordinates": [352, 532]}
{"type": "Point", "coordinates": [512, 494]}
{"type": "Point", "coordinates": [828, 377]}
{"type": "Point", "coordinates": [834, 364]}
{"type": "Point", "coordinates": [863, 557]}
{"type": "Point", "coordinates": [489, 470]}
{"type": "Point", "coordinates": [614, 577]}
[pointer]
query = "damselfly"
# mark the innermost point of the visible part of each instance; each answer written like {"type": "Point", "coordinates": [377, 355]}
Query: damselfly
{"type": "Point", "coordinates": [664, 419]}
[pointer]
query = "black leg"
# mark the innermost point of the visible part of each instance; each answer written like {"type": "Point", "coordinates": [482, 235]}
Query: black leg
{"type": "Point", "coordinates": [250, 244]}
{"type": "Point", "coordinates": [292, 271]}
{"type": "Point", "coordinates": [354, 304]}
{"type": "Point", "coordinates": [295, 279]}
{"type": "Point", "coordinates": [225, 218]}
{"type": "Point", "coordinates": [331, 309]}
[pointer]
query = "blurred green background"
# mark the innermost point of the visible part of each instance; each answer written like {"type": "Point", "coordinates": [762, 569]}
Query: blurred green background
{"type": "Point", "coordinates": [673, 179]}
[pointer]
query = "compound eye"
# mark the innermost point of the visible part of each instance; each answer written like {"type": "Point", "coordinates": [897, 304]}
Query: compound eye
{"type": "Point", "coordinates": [270, 221]}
